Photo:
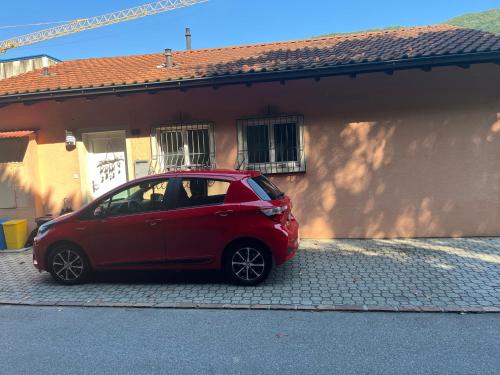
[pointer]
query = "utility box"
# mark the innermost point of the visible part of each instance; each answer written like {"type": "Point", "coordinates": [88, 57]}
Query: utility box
{"type": "Point", "coordinates": [141, 168]}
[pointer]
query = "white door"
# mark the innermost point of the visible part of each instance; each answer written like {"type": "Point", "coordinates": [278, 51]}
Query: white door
{"type": "Point", "coordinates": [107, 164]}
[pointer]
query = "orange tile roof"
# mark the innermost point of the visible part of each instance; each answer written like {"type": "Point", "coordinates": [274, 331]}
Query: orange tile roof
{"type": "Point", "coordinates": [15, 134]}
{"type": "Point", "coordinates": [316, 53]}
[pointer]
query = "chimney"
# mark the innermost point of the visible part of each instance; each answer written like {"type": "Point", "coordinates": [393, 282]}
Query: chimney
{"type": "Point", "coordinates": [188, 38]}
{"type": "Point", "coordinates": [45, 66]}
{"type": "Point", "coordinates": [169, 62]}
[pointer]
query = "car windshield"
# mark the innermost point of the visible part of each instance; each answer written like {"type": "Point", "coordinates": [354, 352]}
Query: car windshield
{"type": "Point", "coordinates": [265, 189]}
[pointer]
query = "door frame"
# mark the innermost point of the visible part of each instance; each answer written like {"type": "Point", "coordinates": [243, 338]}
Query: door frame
{"type": "Point", "coordinates": [83, 155]}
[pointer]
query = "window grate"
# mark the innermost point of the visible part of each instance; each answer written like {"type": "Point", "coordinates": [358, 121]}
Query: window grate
{"type": "Point", "coordinates": [182, 146]}
{"type": "Point", "coordinates": [271, 144]}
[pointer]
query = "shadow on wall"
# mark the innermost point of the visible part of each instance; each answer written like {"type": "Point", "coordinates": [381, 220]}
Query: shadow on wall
{"type": "Point", "coordinates": [389, 178]}
{"type": "Point", "coordinates": [401, 164]}
{"type": "Point", "coordinates": [29, 202]}
{"type": "Point", "coordinates": [21, 195]}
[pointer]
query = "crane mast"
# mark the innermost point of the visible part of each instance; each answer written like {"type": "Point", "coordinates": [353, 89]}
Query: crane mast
{"type": "Point", "coordinates": [96, 22]}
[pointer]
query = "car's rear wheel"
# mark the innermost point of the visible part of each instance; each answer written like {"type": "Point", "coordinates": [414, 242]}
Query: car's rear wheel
{"type": "Point", "coordinates": [247, 264]}
{"type": "Point", "coordinates": [69, 265]}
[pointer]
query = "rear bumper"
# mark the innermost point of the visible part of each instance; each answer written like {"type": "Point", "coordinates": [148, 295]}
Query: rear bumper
{"type": "Point", "coordinates": [290, 242]}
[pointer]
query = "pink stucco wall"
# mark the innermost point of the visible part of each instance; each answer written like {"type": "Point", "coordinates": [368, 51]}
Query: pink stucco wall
{"type": "Point", "coordinates": [412, 154]}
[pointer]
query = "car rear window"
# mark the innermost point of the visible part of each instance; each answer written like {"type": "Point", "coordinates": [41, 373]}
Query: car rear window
{"type": "Point", "coordinates": [265, 189]}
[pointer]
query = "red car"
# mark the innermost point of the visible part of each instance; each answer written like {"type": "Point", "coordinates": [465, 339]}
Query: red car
{"type": "Point", "coordinates": [237, 222]}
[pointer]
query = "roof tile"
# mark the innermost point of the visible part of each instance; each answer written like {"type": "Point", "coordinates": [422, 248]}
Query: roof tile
{"type": "Point", "coordinates": [398, 44]}
{"type": "Point", "coordinates": [15, 134]}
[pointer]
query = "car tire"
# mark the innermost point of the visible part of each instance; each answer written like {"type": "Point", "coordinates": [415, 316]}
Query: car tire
{"type": "Point", "coordinates": [247, 263]}
{"type": "Point", "coordinates": [69, 265]}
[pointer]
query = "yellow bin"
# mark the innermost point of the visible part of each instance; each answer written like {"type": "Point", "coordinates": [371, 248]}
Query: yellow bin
{"type": "Point", "coordinates": [16, 233]}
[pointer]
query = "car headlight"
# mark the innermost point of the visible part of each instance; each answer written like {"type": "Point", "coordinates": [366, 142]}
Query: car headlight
{"type": "Point", "coordinates": [44, 228]}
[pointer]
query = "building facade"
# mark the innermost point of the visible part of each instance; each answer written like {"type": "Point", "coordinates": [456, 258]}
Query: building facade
{"type": "Point", "coordinates": [390, 152]}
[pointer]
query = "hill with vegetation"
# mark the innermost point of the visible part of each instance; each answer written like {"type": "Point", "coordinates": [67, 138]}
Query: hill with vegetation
{"type": "Point", "coordinates": [488, 20]}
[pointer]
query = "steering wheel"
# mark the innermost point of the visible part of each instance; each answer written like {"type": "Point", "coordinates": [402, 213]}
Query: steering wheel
{"type": "Point", "coordinates": [134, 206]}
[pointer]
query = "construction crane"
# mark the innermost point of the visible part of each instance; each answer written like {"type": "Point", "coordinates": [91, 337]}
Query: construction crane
{"type": "Point", "coordinates": [95, 22]}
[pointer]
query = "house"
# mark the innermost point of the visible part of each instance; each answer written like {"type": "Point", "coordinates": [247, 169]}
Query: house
{"type": "Point", "coordinates": [14, 67]}
{"type": "Point", "coordinates": [380, 134]}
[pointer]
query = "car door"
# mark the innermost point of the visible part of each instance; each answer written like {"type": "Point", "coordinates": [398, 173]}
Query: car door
{"type": "Point", "coordinates": [129, 233]}
{"type": "Point", "coordinates": [195, 230]}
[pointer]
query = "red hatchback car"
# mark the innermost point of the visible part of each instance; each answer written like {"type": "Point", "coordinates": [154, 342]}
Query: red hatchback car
{"type": "Point", "coordinates": [237, 222]}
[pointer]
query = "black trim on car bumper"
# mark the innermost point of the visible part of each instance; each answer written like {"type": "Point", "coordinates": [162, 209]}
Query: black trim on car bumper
{"type": "Point", "coordinates": [163, 262]}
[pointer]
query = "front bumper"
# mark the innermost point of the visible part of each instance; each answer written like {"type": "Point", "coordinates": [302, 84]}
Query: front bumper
{"type": "Point", "coordinates": [39, 250]}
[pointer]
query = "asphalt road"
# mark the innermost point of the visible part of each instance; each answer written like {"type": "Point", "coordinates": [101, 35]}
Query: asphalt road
{"type": "Point", "coordinates": [52, 340]}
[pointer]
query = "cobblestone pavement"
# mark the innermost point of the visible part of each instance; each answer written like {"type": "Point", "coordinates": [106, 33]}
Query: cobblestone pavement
{"type": "Point", "coordinates": [404, 275]}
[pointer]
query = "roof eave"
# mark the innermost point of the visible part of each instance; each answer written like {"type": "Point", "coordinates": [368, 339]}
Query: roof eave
{"type": "Point", "coordinates": [259, 77]}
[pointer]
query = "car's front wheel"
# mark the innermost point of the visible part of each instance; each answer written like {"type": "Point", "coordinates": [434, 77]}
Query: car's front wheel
{"type": "Point", "coordinates": [69, 265]}
{"type": "Point", "coordinates": [247, 264]}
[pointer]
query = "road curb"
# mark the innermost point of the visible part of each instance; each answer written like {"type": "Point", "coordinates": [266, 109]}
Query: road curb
{"type": "Point", "coordinates": [23, 250]}
{"type": "Point", "coordinates": [310, 308]}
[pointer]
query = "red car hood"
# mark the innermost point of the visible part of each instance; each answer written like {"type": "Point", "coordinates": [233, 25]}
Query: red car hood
{"type": "Point", "coordinates": [62, 218]}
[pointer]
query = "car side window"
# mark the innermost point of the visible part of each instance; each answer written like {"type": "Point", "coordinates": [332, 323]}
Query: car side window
{"type": "Point", "coordinates": [145, 196]}
{"type": "Point", "coordinates": [195, 192]}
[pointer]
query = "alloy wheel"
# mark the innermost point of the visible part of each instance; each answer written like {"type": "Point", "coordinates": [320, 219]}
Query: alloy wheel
{"type": "Point", "coordinates": [248, 264]}
{"type": "Point", "coordinates": [68, 265]}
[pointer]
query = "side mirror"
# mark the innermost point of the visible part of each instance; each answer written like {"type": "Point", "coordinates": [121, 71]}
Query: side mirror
{"type": "Point", "coordinates": [99, 211]}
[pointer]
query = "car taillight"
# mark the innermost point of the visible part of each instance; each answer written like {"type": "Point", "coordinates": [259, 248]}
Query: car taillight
{"type": "Point", "coordinates": [275, 213]}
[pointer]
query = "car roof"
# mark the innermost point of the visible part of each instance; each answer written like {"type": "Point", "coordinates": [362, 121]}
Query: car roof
{"type": "Point", "coordinates": [225, 174]}
{"type": "Point", "coordinates": [208, 173]}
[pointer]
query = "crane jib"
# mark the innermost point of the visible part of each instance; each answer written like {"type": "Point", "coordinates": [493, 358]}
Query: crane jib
{"type": "Point", "coordinates": [95, 22]}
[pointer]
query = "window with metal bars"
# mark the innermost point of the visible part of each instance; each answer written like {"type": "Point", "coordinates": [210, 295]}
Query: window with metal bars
{"type": "Point", "coordinates": [183, 146]}
{"type": "Point", "coordinates": [271, 144]}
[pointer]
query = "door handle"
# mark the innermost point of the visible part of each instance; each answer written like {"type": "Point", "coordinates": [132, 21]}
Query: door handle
{"type": "Point", "coordinates": [153, 222]}
{"type": "Point", "coordinates": [224, 213]}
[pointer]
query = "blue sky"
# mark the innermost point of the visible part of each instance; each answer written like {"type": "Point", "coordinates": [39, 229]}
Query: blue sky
{"type": "Point", "coordinates": [218, 22]}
